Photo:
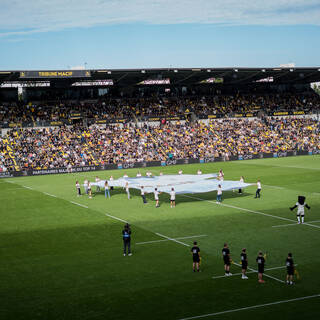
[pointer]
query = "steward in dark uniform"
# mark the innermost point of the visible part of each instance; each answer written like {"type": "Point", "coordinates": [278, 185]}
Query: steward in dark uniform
{"type": "Point", "coordinates": [126, 236]}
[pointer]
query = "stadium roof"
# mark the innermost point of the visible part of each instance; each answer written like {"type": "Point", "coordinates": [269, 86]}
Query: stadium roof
{"type": "Point", "coordinates": [176, 76]}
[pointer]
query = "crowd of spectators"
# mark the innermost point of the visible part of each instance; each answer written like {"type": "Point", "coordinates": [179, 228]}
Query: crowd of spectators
{"type": "Point", "coordinates": [144, 108]}
{"type": "Point", "coordinates": [78, 146]}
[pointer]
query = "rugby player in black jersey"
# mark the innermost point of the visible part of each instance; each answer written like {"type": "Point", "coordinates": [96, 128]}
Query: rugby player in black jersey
{"type": "Point", "coordinates": [290, 268]}
{"type": "Point", "coordinates": [261, 261]}
{"type": "Point", "coordinates": [195, 251]}
{"type": "Point", "coordinates": [226, 259]}
{"type": "Point", "coordinates": [244, 263]}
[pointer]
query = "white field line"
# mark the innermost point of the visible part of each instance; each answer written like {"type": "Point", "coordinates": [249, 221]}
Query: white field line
{"type": "Point", "coordinates": [78, 204]}
{"type": "Point", "coordinates": [172, 239]}
{"type": "Point", "coordinates": [116, 218]}
{"type": "Point", "coordinates": [293, 224]}
{"type": "Point", "coordinates": [251, 307]}
{"type": "Point", "coordinates": [266, 275]}
{"type": "Point", "coordinates": [251, 271]}
{"type": "Point", "coordinates": [27, 187]}
{"type": "Point", "coordinates": [49, 194]}
{"type": "Point", "coordinates": [247, 210]}
{"type": "Point", "coordinates": [178, 238]}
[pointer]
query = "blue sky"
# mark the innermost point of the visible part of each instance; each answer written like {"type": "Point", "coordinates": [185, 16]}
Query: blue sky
{"type": "Point", "coordinates": [60, 34]}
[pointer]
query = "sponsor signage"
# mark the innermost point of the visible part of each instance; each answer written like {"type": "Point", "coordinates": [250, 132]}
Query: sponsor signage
{"type": "Point", "coordinates": [152, 163]}
{"type": "Point", "coordinates": [55, 74]}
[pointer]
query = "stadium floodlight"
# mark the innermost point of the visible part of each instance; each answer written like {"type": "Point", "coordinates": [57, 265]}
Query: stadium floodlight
{"type": "Point", "coordinates": [175, 70]}
{"type": "Point", "coordinates": [143, 71]}
{"type": "Point", "coordinates": [263, 70]}
{"type": "Point", "coordinates": [235, 70]}
{"type": "Point", "coordinates": [208, 70]}
{"type": "Point", "coordinates": [109, 72]}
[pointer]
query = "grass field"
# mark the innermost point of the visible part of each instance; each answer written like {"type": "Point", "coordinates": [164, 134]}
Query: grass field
{"type": "Point", "coordinates": [60, 260]}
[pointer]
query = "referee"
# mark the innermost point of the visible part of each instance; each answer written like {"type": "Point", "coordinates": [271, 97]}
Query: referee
{"type": "Point", "coordinates": [126, 236]}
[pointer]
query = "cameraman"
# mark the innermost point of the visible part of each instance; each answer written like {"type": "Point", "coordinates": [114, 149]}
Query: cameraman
{"type": "Point", "coordinates": [126, 236]}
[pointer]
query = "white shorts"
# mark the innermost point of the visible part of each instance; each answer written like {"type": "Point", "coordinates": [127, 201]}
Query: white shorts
{"type": "Point", "coordinates": [300, 213]}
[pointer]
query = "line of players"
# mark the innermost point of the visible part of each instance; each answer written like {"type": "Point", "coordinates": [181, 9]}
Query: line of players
{"type": "Point", "coordinates": [261, 259]}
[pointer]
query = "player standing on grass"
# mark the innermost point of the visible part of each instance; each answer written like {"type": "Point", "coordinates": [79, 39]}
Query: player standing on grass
{"type": "Point", "coordinates": [126, 236]}
{"type": "Point", "coordinates": [244, 263]}
{"type": "Point", "coordinates": [261, 261]}
{"type": "Point", "coordinates": [85, 184]}
{"type": "Point", "coordinates": [195, 250]}
{"type": "Point", "coordinates": [242, 181]}
{"type": "Point", "coordinates": [226, 259]}
{"type": "Point", "coordinates": [221, 175]}
{"type": "Point", "coordinates": [78, 188]}
{"type": "Point", "coordinates": [106, 189]}
{"type": "Point", "coordinates": [156, 197]}
{"type": "Point", "coordinates": [98, 187]}
{"type": "Point", "coordinates": [172, 198]}
{"type": "Point", "coordinates": [143, 195]}
{"type": "Point", "coordinates": [258, 189]}
{"type": "Point", "coordinates": [300, 204]}
{"type": "Point", "coordinates": [219, 194]}
{"type": "Point", "coordinates": [290, 268]}
{"type": "Point", "coordinates": [127, 190]}
{"type": "Point", "coordinates": [89, 190]}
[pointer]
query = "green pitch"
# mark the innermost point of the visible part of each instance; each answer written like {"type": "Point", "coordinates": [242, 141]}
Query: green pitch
{"type": "Point", "coordinates": [60, 260]}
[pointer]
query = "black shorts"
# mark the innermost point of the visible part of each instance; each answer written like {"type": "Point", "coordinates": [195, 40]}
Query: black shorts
{"type": "Point", "coordinates": [261, 269]}
{"type": "Point", "coordinates": [196, 259]}
{"type": "Point", "coordinates": [244, 265]}
{"type": "Point", "coordinates": [226, 261]}
{"type": "Point", "coordinates": [290, 271]}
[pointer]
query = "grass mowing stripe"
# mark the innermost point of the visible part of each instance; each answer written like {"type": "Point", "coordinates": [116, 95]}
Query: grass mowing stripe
{"type": "Point", "coordinates": [177, 238]}
{"type": "Point", "coordinates": [247, 210]}
{"type": "Point", "coordinates": [251, 271]}
{"type": "Point", "coordinates": [251, 307]}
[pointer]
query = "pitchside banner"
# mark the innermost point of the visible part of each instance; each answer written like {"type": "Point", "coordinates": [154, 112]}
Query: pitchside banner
{"type": "Point", "coordinates": [55, 74]}
{"type": "Point", "coordinates": [154, 163]}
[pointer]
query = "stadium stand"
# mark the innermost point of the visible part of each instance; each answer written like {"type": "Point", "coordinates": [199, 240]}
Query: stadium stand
{"type": "Point", "coordinates": [61, 121]}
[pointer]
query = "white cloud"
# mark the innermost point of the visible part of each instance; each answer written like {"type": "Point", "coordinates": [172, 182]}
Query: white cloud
{"type": "Point", "coordinates": [21, 17]}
